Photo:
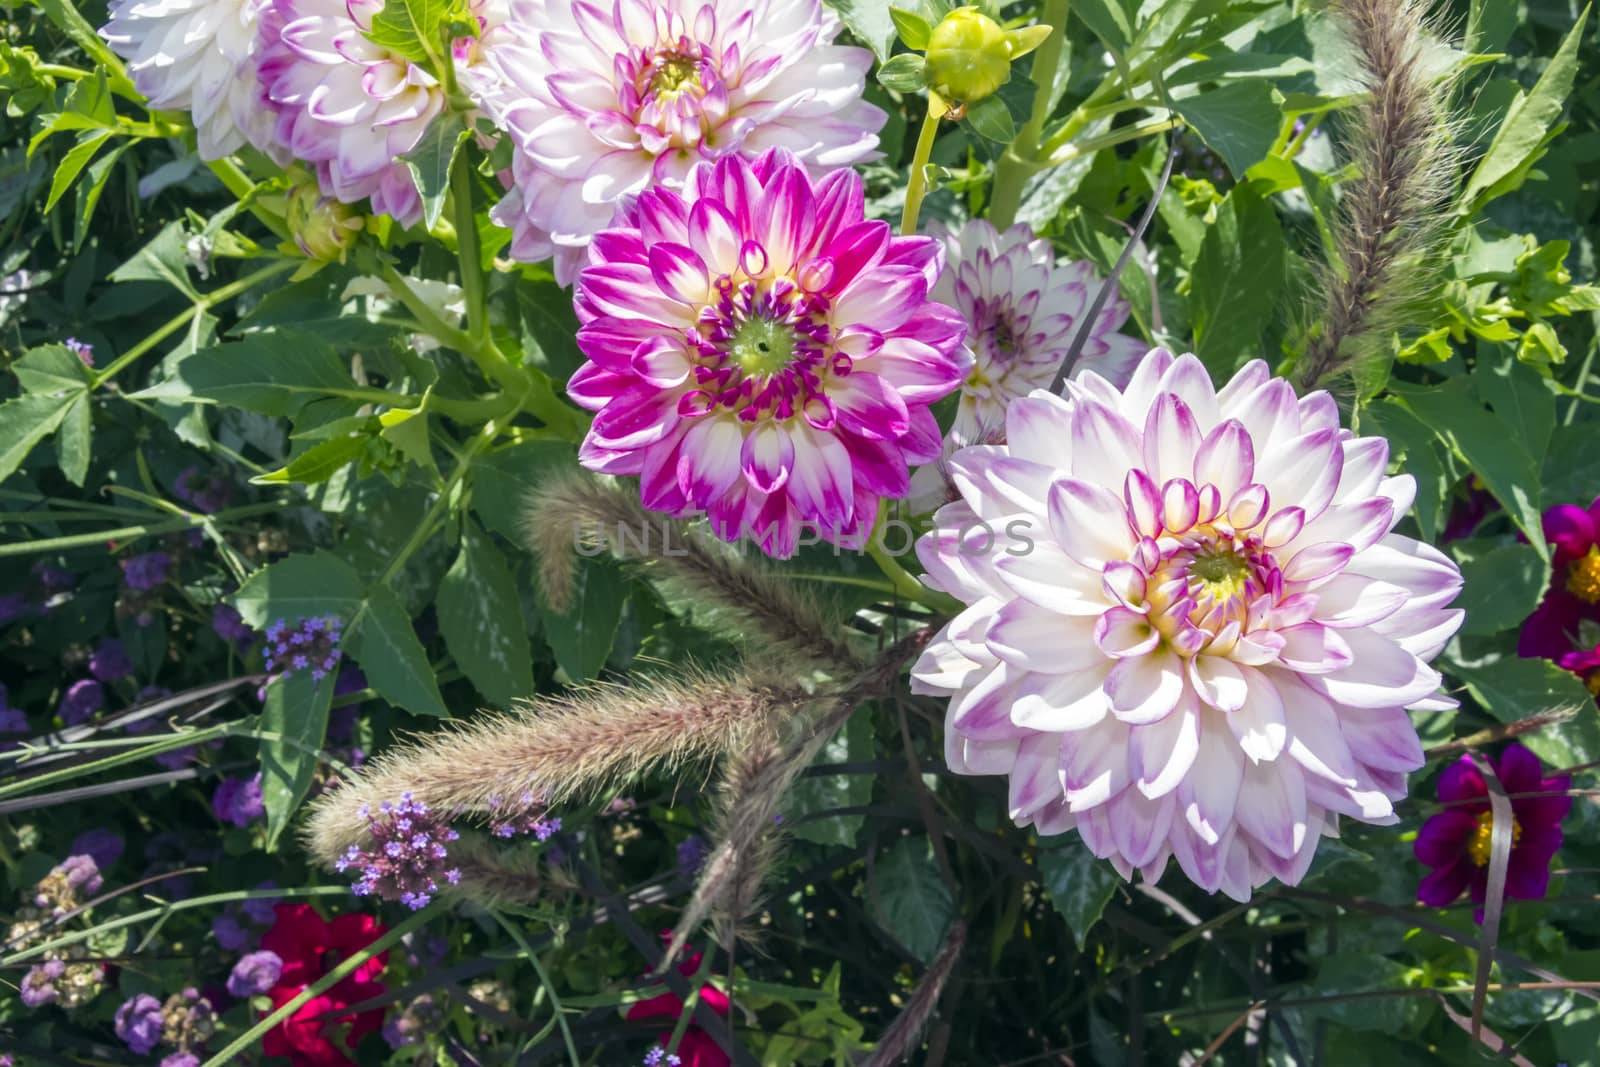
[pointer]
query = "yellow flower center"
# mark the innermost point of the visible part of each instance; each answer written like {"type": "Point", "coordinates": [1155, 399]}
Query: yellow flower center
{"type": "Point", "coordinates": [1221, 573]}
{"type": "Point", "coordinates": [674, 74]}
{"type": "Point", "coordinates": [1478, 847]}
{"type": "Point", "coordinates": [1583, 577]}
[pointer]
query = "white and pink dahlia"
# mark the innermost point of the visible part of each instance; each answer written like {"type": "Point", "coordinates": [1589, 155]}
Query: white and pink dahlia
{"type": "Point", "coordinates": [1191, 631]}
{"type": "Point", "coordinates": [197, 56]}
{"type": "Point", "coordinates": [350, 106]}
{"type": "Point", "coordinates": [760, 352]}
{"type": "Point", "coordinates": [603, 99]}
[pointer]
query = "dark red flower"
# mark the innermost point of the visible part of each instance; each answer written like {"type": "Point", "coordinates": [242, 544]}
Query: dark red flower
{"type": "Point", "coordinates": [697, 1049]}
{"type": "Point", "coordinates": [310, 947]}
{"type": "Point", "coordinates": [1574, 594]}
{"type": "Point", "coordinates": [1455, 842]}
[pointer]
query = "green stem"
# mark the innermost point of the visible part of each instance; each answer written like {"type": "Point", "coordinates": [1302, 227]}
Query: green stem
{"type": "Point", "coordinates": [1020, 161]}
{"type": "Point", "coordinates": [1581, 383]}
{"type": "Point", "coordinates": [205, 303]}
{"type": "Point", "coordinates": [65, 15]}
{"type": "Point", "coordinates": [905, 585]}
{"type": "Point", "coordinates": [327, 981]}
{"type": "Point", "coordinates": [241, 186]}
{"type": "Point", "coordinates": [1116, 137]}
{"type": "Point", "coordinates": [126, 533]}
{"type": "Point", "coordinates": [549, 986]}
{"type": "Point", "coordinates": [918, 186]}
{"type": "Point", "coordinates": [467, 248]}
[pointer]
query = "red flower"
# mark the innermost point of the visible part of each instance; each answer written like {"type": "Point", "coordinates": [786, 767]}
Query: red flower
{"type": "Point", "coordinates": [697, 1049]}
{"type": "Point", "coordinates": [310, 947]}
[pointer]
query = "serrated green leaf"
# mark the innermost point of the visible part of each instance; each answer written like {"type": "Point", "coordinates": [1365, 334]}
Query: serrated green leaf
{"type": "Point", "coordinates": [296, 709]}
{"type": "Point", "coordinates": [1513, 689]}
{"type": "Point", "coordinates": [1527, 122]}
{"type": "Point", "coordinates": [1234, 286]}
{"type": "Point", "coordinates": [480, 616]}
{"type": "Point", "coordinates": [1486, 444]}
{"type": "Point", "coordinates": [72, 440]}
{"type": "Point", "coordinates": [913, 29]}
{"type": "Point", "coordinates": [1111, 20]}
{"type": "Point", "coordinates": [274, 372]}
{"type": "Point", "coordinates": [581, 637]}
{"type": "Point", "coordinates": [72, 165]}
{"type": "Point", "coordinates": [385, 644]}
{"type": "Point", "coordinates": [1503, 585]}
{"type": "Point", "coordinates": [871, 23]}
{"type": "Point", "coordinates": [1240, 121]}
{"type": "Point", "coordinates": [502, 480]}
{"type": "Point", "coordinates": [991, 119]}
{"type": "Point", "coordinates": [910, 899]}
{"type": "Point", "coordinates": [89, 193]}
{"type": "Point", "coordinates": [298, 587]}
{"type": "Point", "coordinates": [162, 260]}
{"type": "Point", "coordinates": [24, 422]}
{"type": "Point", "coordinates": [1571, 472]}
{"type": "Point", "coordinates": [1080, 886]}
{"type": "Point", "coordinates": [430, 163]}
{"type": "Point", "coordinates": [410, 438]}
{"type": "Point", "coordinates": [409, 27]}
{"type": "Point", "coordinates": [1426, 458]}
{"type": "Point", "coordinates": [550, 324]}
{"type": "Point", "coordinates": [1522, 397]}
{"type": "Point", "coordinates": [318, 463]}
{"type": "Point", "coordinates": [51, 369]}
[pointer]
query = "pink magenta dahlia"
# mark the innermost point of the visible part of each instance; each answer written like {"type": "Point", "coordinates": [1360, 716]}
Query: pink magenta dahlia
{"type": "Point", "coordinates": [759, 351]}
{"type": "Point", "coordinates": [603, 99]}
{"type": "Point", "coordinates": [350, 106]}
{"type": "Point", "coordinates": [197, 56]}
{"type": "Point", "coordinates": [1191, 632]}
{"type": "Point", "coordinates": [1571, 606]}
{"type": "Point", "coordinates": [1456, 842]}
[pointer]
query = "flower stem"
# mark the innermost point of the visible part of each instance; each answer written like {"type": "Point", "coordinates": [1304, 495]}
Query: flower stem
{"type": "Point", "coordinates": [467, 248]}
{"type": "Point", "coordinates": [918, 187]}
{"type": "Point", "coordinates": [904, 583]}
{"type": "Point", "coordinates": [1020, 160]}
{"type": "Point", "coordinates": [1116, 137]}
{"type": "Point", "coordinates": [549, 986]}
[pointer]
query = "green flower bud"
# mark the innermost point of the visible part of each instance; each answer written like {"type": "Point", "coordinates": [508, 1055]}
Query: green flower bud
{"type": "Point", "coordinates": [970, 55]}
{"type": "Point", "coordinates": [322, 227]}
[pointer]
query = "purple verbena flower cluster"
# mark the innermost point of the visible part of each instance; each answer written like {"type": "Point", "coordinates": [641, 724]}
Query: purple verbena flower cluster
{"type": "Point", "coordinates": [238, 800]}
{"type": "Point", "coordinates": [147, 570]}
{"type": "Point", "coordinates": [138, 1024]}
{"type": "Point", "coordinates": [312, 645]}
{"type": "Point", "coordinates": [407, 855]}
{"type": "Point", "coordinates": [255, 973]}
{"type": "Point", "coordinates": [230, 625]}
{"type": "Point", "coordinates": [525, 817]}
{"type": "Point", "coordinates": [109, 662]}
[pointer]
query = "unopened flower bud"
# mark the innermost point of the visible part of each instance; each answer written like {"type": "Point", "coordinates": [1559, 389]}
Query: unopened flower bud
{"type": "Point", "coordinates": [323, 228]}
{"type": "Point", "coordinates": [970, 55]}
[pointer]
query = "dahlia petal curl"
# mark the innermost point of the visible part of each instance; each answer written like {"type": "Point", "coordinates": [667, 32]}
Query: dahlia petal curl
{"type": "Point", "coordinates": [761, 353]}
{"type": "Point", "coordinates": [198, 56]}
{"type": "Point", "coordinates": [1191, 633]}
{"type": "Point", "coordinates": [602, 100]}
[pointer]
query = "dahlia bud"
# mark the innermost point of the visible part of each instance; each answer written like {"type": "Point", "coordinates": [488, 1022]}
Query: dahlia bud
{"type": "Point", "coordinates": [970, 55]}
{"type": "Point", "coordinates": [323, 228]}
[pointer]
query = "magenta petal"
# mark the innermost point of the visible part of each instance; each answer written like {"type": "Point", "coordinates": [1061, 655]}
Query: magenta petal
{"type": "Point", "coordinates": [1527, 880]}
{"type": "Point", "coordinates": [1571, 529]}
{"type": "Point", "coordinates": [1443, 838]}
{"type": "Point", "coordinates": [1440, 888]}
{"type": "Point", "coordinates": [1462, 781]}
{"type": "Point", "coordinates": [1519, 770]}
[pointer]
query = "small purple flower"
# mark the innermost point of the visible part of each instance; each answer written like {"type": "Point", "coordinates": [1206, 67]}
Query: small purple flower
{"type": "Point", "coordinates": [146, 571]}
{"type": "Point", "coordinates": [238, 800]}
{"type": "Point", "coordinates": [255, 973]}
{"type": "Point", "coordinates": [407, 856]}
{"type": "Point", "coordinates": [230, 625]}
{"type": "Point", "coordinates": [692, 852]}
{"type": "Point", "coordinates": [229, 933]}
{"type": "Point", "coordinates": [12, 720]}
{"type": "Point", "coordinates": [39, 984]}
{"type": "Point", "coordinates": [103, 846]}
{"type": "Point", "coordinates": [82, 700]}
{"type": "Point", "coordinates": [311, 645]}
{"type": "Point", "coordinates": [52, 579]}
{"type": "Point", "coordinates": [181, 1059]}
{"type": "Point", "coordinates": [206, 493]}
{"type": "Point", "coordinates": [259, 909]}
{"type": "Point", "coordinates": [109, 661]}
{"type": "Point", "coordinates": [14, 606]}
{"type": "Point", "coordinates": [138, 1023]}
{"type": "Point", "coordinates": [81, 349]}
{"type": "Point", "coordinates": [660, 1057]}
{"type": "Point", "coordinates": [68, 885]}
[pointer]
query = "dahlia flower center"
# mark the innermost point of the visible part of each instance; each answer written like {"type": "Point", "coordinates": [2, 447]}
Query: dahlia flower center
{"type": "Point", "coordinates": [1583, 578]}
{"type": "Point", "coordinates": [763, 349]}
{"type": "Point", "coordinates": [674, 72]}
{"type": "Point", "coordinates": [1205, 581]}
{"type": "Point", "coordinates": [1478, 847]}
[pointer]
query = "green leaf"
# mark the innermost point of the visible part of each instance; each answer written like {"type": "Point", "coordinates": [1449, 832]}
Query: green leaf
{"type": "Point", "coordinates": [1503, 585]}
{"type": "Point", "coordinates": [871, 23]}
{"type": "Point", "coordinates": [1571, 472]}
{"type": "Point", "coordinates": [72, 164]}
{"type": "Point", "coordinates": [409, 28]}
{"type": "Point", "coordinates": [1426, 459]}
{"type": "Point", "coordinates": [1490, 24]}
{"type": "Point", "coordinates": [1239, 120]}
{"type": "Point", "coordinates": [1521, 396]}
{"type": "Point", "coordinates": [912, 27]}
{"type": "Point", "coordinates": [430, 163]}
{"type": "Point", "coordinates": [52, 369]}
{"type": "Point", "coordinates": [89, 193]}
{"type": "Point", "coordinates": [385, 644]}
{"type": "Point", "coordinates": [297, 587]}
{"type": "Point", "coordinates": [549, 322]}
{"type": "Point", "coordinates": [1486, 444]}
{"type": "Point", "coordinates": [318, 463]}
{"type": "Point", "coordinates": [274, 372]}
{"type": "Point", "coordinates": [1512, 689]}
{"type": "Point", "coordinates": [816, 793]}
{"type": "Point", "coordinates": [1080, 886]}
{"type": "Point", "coordinates": [162, 260]}
{"type": "Point", "coordinates": [582, 636]}
{"type": "Point", "coordinates": [409, 437]}
{"type": "Point", "coordinates": [1111, 20]}
{"type": "Point", "coordinates": [905, 73]}
{"type": "Point", "coordinates": [1522, 132]}
{"type": "Point", "coordinates": [72, 442]}
{"type": "Point", "coordinates": [1234, 286]}
{"type": "Point", "coordinates": [909, 897]}
{"type": "Point", "coordinates": [24, 422]}
{"type": "Point", "coordinates": [297, 709]}
{"type": "Point", "coordinates": [480, 616]}
{"type": "Point", "coordinates": [991, 119]}
{"type": "Point", "coordinates": [501, 481]}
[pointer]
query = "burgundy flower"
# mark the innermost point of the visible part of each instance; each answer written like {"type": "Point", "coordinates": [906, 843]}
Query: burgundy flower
{"type": "Point", "coordinates": [1455, 842]}
{"type": "Point", "coordinates": [309, 947]}
{"type": "Point", "coordinates": [1574, 594]}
